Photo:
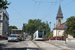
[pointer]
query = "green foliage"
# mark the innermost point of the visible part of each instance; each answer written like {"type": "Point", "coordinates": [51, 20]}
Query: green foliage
{"type": "Point", "coordinates": [49, 35]}
{"type": "Point", "coordinates": [70, 23]}
{"type": "Point", "coordinates": [44, 36]}
{"type": "Point", "coordinates": [4, 3]}
{"type": "Point", "coordinates": [34, 25]}
{"type": "Point", "coordinates": [10, 28]}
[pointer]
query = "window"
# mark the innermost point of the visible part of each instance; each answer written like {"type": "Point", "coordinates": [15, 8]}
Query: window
{"type": "Point", "coordinates": [0, 24]}
{"type": "Point", "coordinates": [59, 33]}
{"type": "Point", "coordinates": [0, 32]}
{"type": "Point", "coordinates": [40, 34]}
{"type": "Point", "coordinates": [0, 17]}
{"type": "Point", "coordinates": [59, 21]}
{"type": "Point", "coordinates": [16, 32]}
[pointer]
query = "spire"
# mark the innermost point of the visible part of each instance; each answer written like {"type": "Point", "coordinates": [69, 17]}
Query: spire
{"type": "Point", "coordinates": [59, 14]}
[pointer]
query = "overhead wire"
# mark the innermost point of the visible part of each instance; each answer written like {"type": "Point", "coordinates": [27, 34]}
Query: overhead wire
{"type": "Point", "coordinates": [62, 7]}
{"type": "Point", "coordinates": [68, 3]}
{"type": "Point", "coordinates": [33, 8]}
{"type": "Point", "coordinates": [18, 13]}
{"type": "Point", "coordinates": [50, 10]}
{"type": "Point", "coordinates": [37, 9]}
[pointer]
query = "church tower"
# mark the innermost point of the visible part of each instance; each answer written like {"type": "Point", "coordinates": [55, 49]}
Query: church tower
{"type": "Point", "coordinates": [59, 17]}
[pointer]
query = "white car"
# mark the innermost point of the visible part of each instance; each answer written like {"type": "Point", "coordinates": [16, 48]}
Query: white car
{"type": "Point", "coordinates": [12, 38]}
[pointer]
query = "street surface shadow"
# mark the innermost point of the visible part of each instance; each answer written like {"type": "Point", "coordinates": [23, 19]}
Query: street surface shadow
{"type": "Point", "coordinates": [26, 48]}
{"type": "Point", "coordinates": [2, 45]}
{"type": "Point", "coordinates": [16, 41]}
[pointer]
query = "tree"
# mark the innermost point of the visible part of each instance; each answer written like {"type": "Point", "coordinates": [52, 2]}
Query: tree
{"type": "Point", "coordinates": [70, 23]}
{"type": "Point", "coordinates": [34, 25]}
{"type": "Point", "coordinates": [10, 28]}
{"type": "Point", "coordinates": [4, 3]}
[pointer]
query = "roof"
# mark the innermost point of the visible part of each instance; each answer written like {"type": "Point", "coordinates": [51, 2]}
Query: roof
{"type": "Point", "coordinates": [60, 26]}
{"type": "Point", "coordinates": [59, 14]}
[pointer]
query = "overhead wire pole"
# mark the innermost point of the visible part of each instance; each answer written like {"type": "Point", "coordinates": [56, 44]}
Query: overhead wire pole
{"type": "Point", "coordinates": [46, 28]}
{"type": "Point", "coordinates": [23, 27]}
{"type": "Point", "coordinates": [50, 30]}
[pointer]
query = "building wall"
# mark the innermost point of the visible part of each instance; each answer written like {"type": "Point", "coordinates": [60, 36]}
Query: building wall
{"type": "Point", "coordinates": [70, 36]}
{"type": "Point", "coordinates": [4, 22]}
{"type": "Point", "coordinates": [57, 21]}
{"type": "Point", "coordinates": [59, 32]}
{"type": "Point", "coordinates": [1, 23]}
{"type": "Point", "coordinates": [1, 28]}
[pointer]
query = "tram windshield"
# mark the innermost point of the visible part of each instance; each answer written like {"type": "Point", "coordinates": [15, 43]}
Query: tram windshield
{"type": "Point", "coordinates": [40, 33]}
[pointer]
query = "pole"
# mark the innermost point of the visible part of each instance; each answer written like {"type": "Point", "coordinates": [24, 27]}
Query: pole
{"type": "Point", "coordinates": [65, 36]}
{"type": "Point", "coordinates": [46, 28]}
{"type": "Point", "coordinates": [23, 27]}
{"type": "Point", "coordinates": [50, 30]}
{"type": "Point", "coordinates": [56, 31]}
{"type": "Point", "coordinates": [65, 33]}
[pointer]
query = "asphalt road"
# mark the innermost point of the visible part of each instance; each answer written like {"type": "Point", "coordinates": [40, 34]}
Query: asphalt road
{"type": "Point", "coordinates": [33, 45]}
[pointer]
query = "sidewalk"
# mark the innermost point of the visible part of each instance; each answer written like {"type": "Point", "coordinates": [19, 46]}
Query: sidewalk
{"type": "Point", "coordinates": [68, 44]}
{"type": "Point", "coordinates": [2, 41]}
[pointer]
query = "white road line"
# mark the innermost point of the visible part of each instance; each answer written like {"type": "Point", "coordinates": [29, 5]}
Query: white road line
{"type": "Point", "coordinates": [5, 43]}
{"type": "Point", "coordinates": [17, 43]}
{"type": "Point", "coordinates": [11, 43]}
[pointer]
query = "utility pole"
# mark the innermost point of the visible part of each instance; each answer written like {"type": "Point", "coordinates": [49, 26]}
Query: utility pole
{"type": "Point", "coordinates": [56, 31]}
{"type": "Point", "coordinates": [23, 27]}
{"type": "Point", "coordinates": [50, 29]}
{"type": "Point", "coordinates": [46, 28]}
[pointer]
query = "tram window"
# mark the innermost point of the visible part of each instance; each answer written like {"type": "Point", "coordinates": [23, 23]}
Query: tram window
{"type": "Point", "coordinates": [40, 34]}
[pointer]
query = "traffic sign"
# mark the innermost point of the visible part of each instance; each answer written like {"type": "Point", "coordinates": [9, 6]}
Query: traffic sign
{"type": "Point", "coordinates": [66, 27]}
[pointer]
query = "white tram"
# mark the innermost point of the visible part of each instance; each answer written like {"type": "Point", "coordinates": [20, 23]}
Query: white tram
{"type": "Point", "coordinates": [38, 35]}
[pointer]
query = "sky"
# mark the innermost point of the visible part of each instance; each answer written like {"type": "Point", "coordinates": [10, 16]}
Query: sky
{"type": "Point", "coordinates": [20, 11]}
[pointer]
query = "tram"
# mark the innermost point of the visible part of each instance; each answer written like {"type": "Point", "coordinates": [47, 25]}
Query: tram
{"type": "Point", "coordinates": [38, 35]}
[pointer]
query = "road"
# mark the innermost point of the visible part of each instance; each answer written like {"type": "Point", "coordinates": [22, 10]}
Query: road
{"type": "Point", "coordinates": [32, 45]}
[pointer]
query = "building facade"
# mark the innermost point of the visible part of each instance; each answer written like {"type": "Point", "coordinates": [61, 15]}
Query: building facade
{"type": "Point", "coordinates": [4, 22]}
{"type": "Point", "coordinates": [59, 29]}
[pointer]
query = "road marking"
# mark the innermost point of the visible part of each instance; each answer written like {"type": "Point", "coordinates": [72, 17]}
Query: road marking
{"type": "Point", "coordinates": [5, 43]}
{"type": "Point", "coordinates": [11, 43]}
{"type": "Point", "coordinates": [17, 43]}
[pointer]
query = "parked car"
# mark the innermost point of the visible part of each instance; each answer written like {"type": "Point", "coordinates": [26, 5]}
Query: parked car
{"type": "Point", "coordinates": [12, 38]}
